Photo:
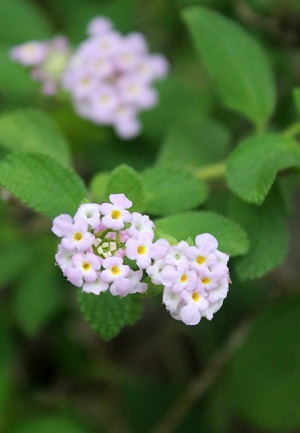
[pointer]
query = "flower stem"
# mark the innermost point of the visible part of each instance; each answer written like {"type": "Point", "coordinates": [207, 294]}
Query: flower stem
{"type": "Point", "coordinates": [213, 171]}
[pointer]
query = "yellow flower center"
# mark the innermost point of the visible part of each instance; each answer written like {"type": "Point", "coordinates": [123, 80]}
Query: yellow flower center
{"type": "Point", "coordinates": [200, 260]}
{"type": "Point", "coordinates": [183, 278]}
{"type": "Point", "coordinates": [205, 280]}
{"type": "Point", "coordinates": [196, 297]}
{"type": "Point", "coordinates": [115, 214]}
{"type": "Point", "coordinates": [141, 249]}
{"type": "Point", "coordinates": [77, 236]}
{"type": "Point", "coordinates": [86, 266]}
{"type": "Point", "coordinates": [115, 270]}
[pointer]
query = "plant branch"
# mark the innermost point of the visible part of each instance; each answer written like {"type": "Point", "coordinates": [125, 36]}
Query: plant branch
{"type": "Point", "coordinates": [212, 171]}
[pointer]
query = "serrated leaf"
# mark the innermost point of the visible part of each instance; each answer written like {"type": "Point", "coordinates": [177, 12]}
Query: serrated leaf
{"type": "Point", "coordinates": [263, 378]}
{"type": "Point", "coordinates": [193, 143]}
{"type": "Point", "coordinates": [267, 231]}
{"type": "Point", "coordinates": [125, 180]}
{"type": "Point", "coordinates": [253, 165]}
{"type": "Point", "coordinates": [37, 297]}
{"type": "Point", "coordinates": [170, 190]}
{"type": "Point", "coordinates": [42, 183]}
{"type": "Point", "coordinates": [108, 314]}
{"type": "Point", "coordinates": [22, 21]}
{"type": "Point", "coordinates": [232, 238]}
{"type": "Point", "coordinates": [236, 63]}
{"type": "Point", "coordinates": [32, 130]}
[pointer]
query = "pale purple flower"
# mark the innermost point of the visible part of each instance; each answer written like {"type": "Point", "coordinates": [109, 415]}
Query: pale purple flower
{"type": "Point", "coordinates": [63, 258]}
{"type": "Point", "coordinates": [179, 278]}
{"type": "Point", "coordinates": [115, 214]}
{"type": "Point", "coordinates": [140, 250]}
{"type": "Point", "coordinates": [89, 212]}
{"type": "Point", "coordinates": [62, 225]}
{"type": "Point", "coordinates": [154, 271]}
{"type": "Point", "coordinates": [114, 269]}
{"type": "Point", "coordinates": [137, 286]}
{"type": "Point", "coordinates": [30, 53]}
{"type": "Point", "coordinates": [96, 286]}
{"type": "Point", "coordinates": [177, 254]}
{"type": "Point", "coordinates": [87, 264]}
{"type": "Point", "coordinates": [78, 237]}
{"type": "Point", "coordinates": [140, 224]}
{"type": "Point", "coordinates": [99, 26]}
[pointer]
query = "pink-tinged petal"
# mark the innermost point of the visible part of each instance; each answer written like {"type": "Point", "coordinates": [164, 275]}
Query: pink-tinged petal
{"type": "Point", "coordinates": [120, 200]}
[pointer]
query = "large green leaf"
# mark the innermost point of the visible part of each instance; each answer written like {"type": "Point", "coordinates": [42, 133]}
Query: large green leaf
{"type": "Point", "coordinates": [49, 424]}
{"type": "Point", "coordinates": [194, 142]}
{"type": "Point", "coordinates": [108, 314]}
{"type": "Point", "coordinates": [124, 179]}
{"type": "Point", "coordinates": [267, 231]}
{"type": "Point", "coordinates": [236, 63]}
{"type": "Point", "coordinates": [253, 165]}
{"type": "Point", "coordinates": [34, 131]}
{"type": "Point", "coordinates": [22, 21]}
{"type": "Point", "coordinates": [170, 189]}
{"type": "Point", "coordinates": [263, 378]}
{"type": "Point", "coordinates": [42, 183]}
{"type": "Point", "coordinates": [231, 237]}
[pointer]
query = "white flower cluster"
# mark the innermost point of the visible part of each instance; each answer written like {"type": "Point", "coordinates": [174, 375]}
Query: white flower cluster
{"type": "Point", "coordinates": [105, 247]}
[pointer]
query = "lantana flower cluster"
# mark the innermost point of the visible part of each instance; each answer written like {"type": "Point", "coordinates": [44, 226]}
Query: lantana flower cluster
{"type": "Point", "coordinates": [47, 61]}
{"type": "Point", "coordinates": [106, 247]}
{"type": "Point", "coordinates": [109, 77]}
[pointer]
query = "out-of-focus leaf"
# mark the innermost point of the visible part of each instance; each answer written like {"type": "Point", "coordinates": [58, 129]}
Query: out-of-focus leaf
{"type": "Point", "coordinates": [263, 378]}
{"type": "Point", "coordinates": [193, 143]}
{"type": "Point", "coordinates": [252, 167]}
{"type": "Point", "coordinates": [166, 190]}
{"type": "Point", "coordinates": [50, 424]}
{"type": "Point", "coordinates": [6, 349]}
{"type": "Point", "coordinates": [125, 180]}
{"type": "Point", "coordinates": [230, 235]}
{"type": "Point", "coordinates": [22, 21]}
{"type": "Point", "coordinates": [42, 183]}
{"type": "Point", "coordinates": [236, 63]}
{"type": "Point", "coordinates": [34, 131]}
{"type": "Point", "coordinates": [267, 231]}
{"type": "Point", "coordinates": [13, 258]}
{"type": "Point", "coordinates": [108, 314]}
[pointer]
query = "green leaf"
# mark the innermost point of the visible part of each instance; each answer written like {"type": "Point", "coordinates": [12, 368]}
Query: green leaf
{"type": "Point", "coordinates": [22, 21]}
{"type": "Point", "coordinates": [49, 424]}
{"type": "Point", "coordinates": [194, 142]}
{"type": "Point", "coordinates": [13, 258]}
{"type": "Point", "coordinates": [34, 131]}
{"type": "Point", "coordinates": [98, 186]}
{"type": "Point", "coordinates": [38, 296]}
{"type": "Point", "coordinates": [108, 314]}
{"type": "Point", "coordinates": [170, 190]}
{"type": "Point", "coordinates": [296, 94]}
{"type": "Point", "coordinates": [253, 165]}
{"type": "Point", "coordinates": [125, 180]}
{"type": "Point", "coordinates": [236, 63]}
{"type": "Point", "coordinates": [263, 379]}
{"type": "Point", "coordinates": [231, 237]}
{"type": "Point", "coordinates": [267, 231]}
{"type": "Point", "coordinates": [42, 183]}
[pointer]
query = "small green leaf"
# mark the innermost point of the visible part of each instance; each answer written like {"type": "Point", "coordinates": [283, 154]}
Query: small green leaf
{"type": "Point", "coordinates": [108, 314]}
{"type": "Point", "coordinates": [98, 186]}
{"type": "Point", "coordinates": [231, 237]}
{"type": "Point", "coordinates": [236, 63]}
{"type": "Point", "coordinates": [267, 231]}
{"type": "Point", "coordinates": [170, 190]}
{"type": "Point", "coordinates": [253, 165]}
{"type": "Point", "coordinates": [125, 180]}
{"type": "Point", "coordinates": [194, 142]}
{"type": "Point", "coordinates": [161, 234]}
{"type": "Point", "coordinates": [263, 378]}
{"type": "Point", "coordinates": [22, 21]}
{"type": "Point", "coordinates": [32, 130]}
{"type": "Point", "coordinates": [38, 296]}
{"type": "Point", "coordinates": [42, 183]}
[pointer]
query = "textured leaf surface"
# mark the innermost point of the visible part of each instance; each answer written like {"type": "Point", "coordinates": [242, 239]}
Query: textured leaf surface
{"type": "Point", "coordinates": [263, 378]}
{"type": "Point", "coordinates": [170, 190]}
{"type": "Point", "coordinates": [42, 183]}
{"type": "Point", "coordinates": [124, 179]}
{"type": "Point", "coordinates": [231, 237]}
{"type": "Point", "coordinates": [34, 131]}
{"type": "Point", "coordinates": [236, 63]}
{"type": "Point", "coordinates": [193, 143]}
{"type": "Point", "coordinates": [22, 21]}
{"type": "Point", "coordinates": [253, 165]}
{"type": "Point", "coordinates": [267, 231]}
{"type": "Point", "coordinates": [108, 314]}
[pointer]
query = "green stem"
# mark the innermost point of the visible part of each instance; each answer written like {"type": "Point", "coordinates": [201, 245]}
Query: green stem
{"type": "Point", "coordinates": [213, 171]}
{"type": "Point", "coordinates": [292, 130]}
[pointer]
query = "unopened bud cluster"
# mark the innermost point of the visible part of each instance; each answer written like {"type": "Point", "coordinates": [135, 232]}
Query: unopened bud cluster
{"type": "Point", "coordinates": [109, 76]}
{"type": "Point", "coordinates": [106, 247]}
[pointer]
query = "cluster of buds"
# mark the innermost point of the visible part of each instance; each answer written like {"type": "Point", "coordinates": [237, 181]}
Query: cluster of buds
{"type": "Point", "coordinates": [47, 61]}
{"type": "Point", "coordinates": [106, 247]}
{"type": "Point", "coordinates": [109, 76]}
